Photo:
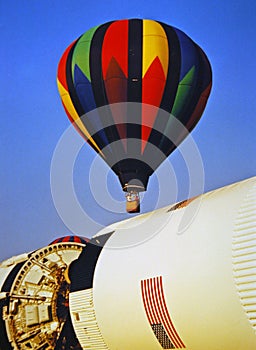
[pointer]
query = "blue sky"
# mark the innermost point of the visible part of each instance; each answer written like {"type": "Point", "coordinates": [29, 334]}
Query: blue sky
{"type": "Point", "coordinates": [34, 34]}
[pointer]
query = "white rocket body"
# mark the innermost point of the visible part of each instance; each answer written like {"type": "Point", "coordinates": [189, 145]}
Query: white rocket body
{"type": "Point", "coordinates": [179, 277]}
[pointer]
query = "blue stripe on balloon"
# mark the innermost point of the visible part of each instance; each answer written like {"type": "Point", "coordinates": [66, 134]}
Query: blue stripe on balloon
{"type": "Point", "coordinates": [86, 97]}
{"type": "Point", "coordinates": [189, 56]}
{"type": "Point", "coordinates": [84, 90]}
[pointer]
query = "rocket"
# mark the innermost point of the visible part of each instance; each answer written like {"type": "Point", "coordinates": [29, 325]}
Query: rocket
{"type": "Point", "coordinates": [34, 290]}
{"type": "Point", "coordinates": [180, 277]}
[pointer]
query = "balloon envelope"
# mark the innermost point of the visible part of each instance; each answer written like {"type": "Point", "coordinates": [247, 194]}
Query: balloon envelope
{"type": "Point", "coordinates": [127, 86]}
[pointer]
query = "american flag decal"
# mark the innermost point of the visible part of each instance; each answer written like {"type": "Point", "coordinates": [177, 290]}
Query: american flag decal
{"type": "Point", "coordinates": [158, 315]}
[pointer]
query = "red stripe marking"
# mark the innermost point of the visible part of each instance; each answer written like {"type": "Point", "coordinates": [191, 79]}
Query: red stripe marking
{"type": "Point", "coordinates": [171, 331]}
{"type": "Point", "coordinates": [150, 301]}
{"type": "Point", "coordinates": [154, 304]}
{"type": "Point", "coordinates": [164, 319]}
{"type": "Point", "coordinates": [156, 308]}
{"type": "Point", "coordinates": [156, 301]}
{"type": "Point", "coordinates": [182, 345]}
{"type": "Point", "coordinates": [145, 302]}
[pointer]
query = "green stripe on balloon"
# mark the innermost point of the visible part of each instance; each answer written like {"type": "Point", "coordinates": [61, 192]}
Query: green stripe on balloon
{"type": "Point", "coordinates": [184, 89]}
{"type": "Point", "coordinates": [81, 54]}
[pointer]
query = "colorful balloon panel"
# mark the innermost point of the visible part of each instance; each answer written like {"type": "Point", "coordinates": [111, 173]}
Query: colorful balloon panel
{"type": "Point", "coordinates": [140, 61]}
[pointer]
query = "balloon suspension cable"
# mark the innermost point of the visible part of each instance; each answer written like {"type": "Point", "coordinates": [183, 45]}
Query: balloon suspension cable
{"type": "Point", "coordinates": [132, 201]}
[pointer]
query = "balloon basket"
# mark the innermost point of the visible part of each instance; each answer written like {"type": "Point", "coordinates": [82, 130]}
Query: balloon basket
{"type": "Point", "coordinates": [132, 202]}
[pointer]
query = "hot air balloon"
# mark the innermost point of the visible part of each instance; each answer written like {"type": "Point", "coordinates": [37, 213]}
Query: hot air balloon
{"type": "Point", "coordinates": [134, 89]}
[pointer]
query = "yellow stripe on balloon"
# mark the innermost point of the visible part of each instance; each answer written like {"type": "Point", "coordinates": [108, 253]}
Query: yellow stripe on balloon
{"type": "Point", "coordinates": [73, 113]}
{"type": "Point", "coordinates": [155, 44]}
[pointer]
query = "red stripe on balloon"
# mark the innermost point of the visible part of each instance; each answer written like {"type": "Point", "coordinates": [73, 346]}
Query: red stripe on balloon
{"type": "Point", "coordinates": [62, 67]}
{"type": "Point", "coordinates": [115, 83]}
{"type": "Point", "coordinates": [199, 108]}
{"type": "Point", "coordinates": [115, 45]}
{"type": "Point", "coordinates": [115, 72]}
{"type": "Point", "coordinates": [153, 85]}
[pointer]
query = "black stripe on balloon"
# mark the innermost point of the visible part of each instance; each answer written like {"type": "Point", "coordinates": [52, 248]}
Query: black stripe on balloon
{"type": "Point", "coordinates": [174, 65]}
{"type": "Point", "coordinates": [100, 95]}
{"type": "Point", "coordinates": [161, 141]}
{"type": "Point", "coordinates": [75, 99]}
{"type": "Point", "coordinates": [170, 90]}
{"type": "Point", "coordinates": [184, 116]}
{"type": "Point", "coordinates": [200, 72]}
{"type": "Point", "coordinates": [98, 87]}
{"type": "Point", "coordinates": [71, 88]}
{"type": "Point", "coordinates": [135, 33]}
{"type": "Point", "coordinates": [203, 80]}
{"type": "Point", "coordinates": [206, 79]}
{"type": "Point", "coordinates": [86, 119]}
{"type": "Point", "coordinates": [135, 60]}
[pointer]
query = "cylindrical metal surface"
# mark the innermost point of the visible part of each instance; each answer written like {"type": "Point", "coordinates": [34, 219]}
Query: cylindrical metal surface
{"type": "Point", "coordinates": [181, 277]}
